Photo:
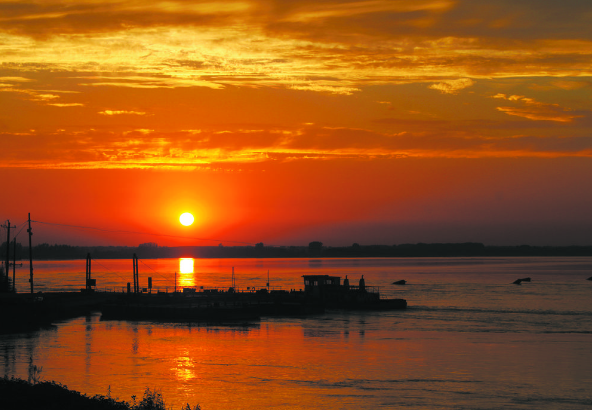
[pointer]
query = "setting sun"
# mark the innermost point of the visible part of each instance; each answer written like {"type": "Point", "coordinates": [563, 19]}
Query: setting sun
{"type": "Point", "coordinates": [186, 219]}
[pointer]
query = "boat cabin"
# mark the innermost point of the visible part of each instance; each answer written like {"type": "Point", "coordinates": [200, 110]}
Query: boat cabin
{"type": "Point", "coordinates": [330, 290]}
{"type": "Point", "coordinates": [323, 285]}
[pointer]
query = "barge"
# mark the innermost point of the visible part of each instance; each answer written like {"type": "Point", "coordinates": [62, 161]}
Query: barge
{"type": "Point", "coordinates": [320, 292]}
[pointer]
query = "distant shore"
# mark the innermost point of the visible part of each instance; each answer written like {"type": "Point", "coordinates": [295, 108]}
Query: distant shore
{"type": "Point", "coordinates": [314, 250]}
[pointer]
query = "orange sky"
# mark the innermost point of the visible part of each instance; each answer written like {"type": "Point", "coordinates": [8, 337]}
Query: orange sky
{"type": "Point", "coordinates": [285, 122]}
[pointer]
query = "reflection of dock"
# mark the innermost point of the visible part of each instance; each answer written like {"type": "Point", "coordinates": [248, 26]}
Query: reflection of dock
{"type": "Point", "coordinates": [27, 312]}
{"type": "Point", "coordinates": [211, 305]}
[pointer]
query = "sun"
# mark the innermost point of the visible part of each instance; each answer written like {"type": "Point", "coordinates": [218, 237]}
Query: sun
{"type": "Point", "coordinates": [186, 219]}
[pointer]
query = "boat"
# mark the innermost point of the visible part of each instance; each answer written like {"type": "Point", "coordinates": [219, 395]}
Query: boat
{"type": "Point", "coordinates": [334, 295]}
{"type": "Point", "coordinates": [215, 305]}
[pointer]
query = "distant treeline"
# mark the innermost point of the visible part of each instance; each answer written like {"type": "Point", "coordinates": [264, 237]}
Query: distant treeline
{"type": "Point", "coordinates": [313, 250]}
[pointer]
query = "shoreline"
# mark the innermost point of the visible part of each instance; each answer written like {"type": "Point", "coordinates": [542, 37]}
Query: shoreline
{"type": "Point", "coordinates": [46, 252]}
{"type": "Point", "coordinates": [19, 394]}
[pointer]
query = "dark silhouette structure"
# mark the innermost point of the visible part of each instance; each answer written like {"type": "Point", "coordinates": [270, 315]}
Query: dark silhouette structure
{"type": "Point", "coordinates": [315, 249]}
{"type": "Point", "coordinates": [332, 294]}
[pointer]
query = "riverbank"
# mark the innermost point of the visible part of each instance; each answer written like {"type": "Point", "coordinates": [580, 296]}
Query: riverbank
{"type": "Point", "coordinates": [18, 394]}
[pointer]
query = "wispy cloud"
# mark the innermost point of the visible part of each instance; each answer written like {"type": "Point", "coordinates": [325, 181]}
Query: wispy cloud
{"type": "Point", "coordinates": [121, 112]}
{"type": "Point", "coordinates": [452, 86]}
{"type": "Point", "coordinates": [355, 8]}
{"type": "Point", "coordinates": [326, 88]}
{"type": "Point", "coordinates": [146, 148]}
{"type": "Point", "coordinates": [535, 110]}
{"type": "Point", "coordinates": [67, 104]}
{"type": "Point", "coordinates": [15, 79]}
{"type": "Point", "coordinates": [46, 97]}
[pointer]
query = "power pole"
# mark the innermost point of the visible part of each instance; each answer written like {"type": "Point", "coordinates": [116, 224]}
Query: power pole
{"type": "Point", "coordinates": [7, 266]}
{"type": "Point", "coordinates": [88, 279]}
{"type": "Point", "coordinates": [14, 266]}
{"type": "Point", "coordinates": [7, 226]}
{"type": "Point", "coordinates": [136, 275]}
{"type": "Point", "coordinates": [30, 231]}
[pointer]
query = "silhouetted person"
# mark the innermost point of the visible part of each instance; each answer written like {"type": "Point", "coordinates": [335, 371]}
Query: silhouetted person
{"type": "Point", "coordinates": [346, 283]}
{"type": "Point", "coordinates": [362, 284]}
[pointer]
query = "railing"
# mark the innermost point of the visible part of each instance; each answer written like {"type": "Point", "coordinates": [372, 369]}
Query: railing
{"type": "Point", "coordinates": [369, 289]}
{"type": "Point", "coordinates": [190, 289]}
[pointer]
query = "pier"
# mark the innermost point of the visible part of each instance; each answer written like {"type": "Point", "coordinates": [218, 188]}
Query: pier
{"type": "Point", "coordinates": [321, 292]}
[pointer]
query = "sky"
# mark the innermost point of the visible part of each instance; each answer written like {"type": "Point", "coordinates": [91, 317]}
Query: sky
{"type": "Point", "coordinates": [286, 122]}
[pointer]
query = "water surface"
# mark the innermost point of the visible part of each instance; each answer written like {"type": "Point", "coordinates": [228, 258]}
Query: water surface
{"type": "Point", "coordinates": [470, 339]}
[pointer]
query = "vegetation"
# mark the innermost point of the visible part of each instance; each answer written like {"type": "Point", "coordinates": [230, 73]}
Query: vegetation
{"type": "Point", "coordinates": [18, 394]}
{"type": "Point", "coordinates": [314, 249]}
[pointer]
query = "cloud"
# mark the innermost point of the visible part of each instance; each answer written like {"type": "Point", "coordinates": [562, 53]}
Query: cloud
{"type": "Point", "coordinates": [121, 112]}
{"type": "Point", "coordinates": [326, 88]}
{"type": "Point", "coordinates": [67, 104]}
{"type": "Point", "coordinates": [149, 148]}
{"type": "Point", "coordinates": [452, 86]}
{"type": "Point", "coordinates": [562, 85]}
{"type": "Point", "coordinates": [15, 79]}
{"type": "Point", "coordinates": [535, 110]}
{"type": "Point", "coordinates": [156, 44]}
{"type": "Point", "coordinates": [40, 96]}
{"type": "Point", "coordinates": [322, 11]}
{"type": "Point", "coordinates": [192, 66]}
{"type": "Point", "coordinates": [145, 81]}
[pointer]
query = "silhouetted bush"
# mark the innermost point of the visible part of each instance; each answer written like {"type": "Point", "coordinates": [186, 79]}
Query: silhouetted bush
{"type": "Point", "coordinates": [17, 394]}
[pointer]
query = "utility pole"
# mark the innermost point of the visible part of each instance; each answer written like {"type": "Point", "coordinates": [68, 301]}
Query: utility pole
{"type": "Point", "coordinates": [14, 266]}
{"type": "Point", "coordinates": [7, 266]}
{"type": "Point", "coordinates": [7, 226]}
{"type": "Point", "coordinates": [30, 231]}
{"type": "Point", "coordinates": [88, 273]}
{"type": "Point", "coordinates": [136, 275]}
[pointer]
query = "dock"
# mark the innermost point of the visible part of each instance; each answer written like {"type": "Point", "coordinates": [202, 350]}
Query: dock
{"type": "Point", "coordinates": [321, 292]}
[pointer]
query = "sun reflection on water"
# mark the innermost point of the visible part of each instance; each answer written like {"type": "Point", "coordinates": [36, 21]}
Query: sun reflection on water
{"type": "Point", "coordinates": [186, 277]}
{"type": "Point", "coordinates": [184, 368]}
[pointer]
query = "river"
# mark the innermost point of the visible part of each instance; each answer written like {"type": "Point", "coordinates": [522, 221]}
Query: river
{"type": "Point", "coordinates": [469, 339]}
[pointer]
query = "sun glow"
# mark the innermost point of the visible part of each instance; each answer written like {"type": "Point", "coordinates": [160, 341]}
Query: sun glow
{"type": "Point", "coordinates": [186, 219]}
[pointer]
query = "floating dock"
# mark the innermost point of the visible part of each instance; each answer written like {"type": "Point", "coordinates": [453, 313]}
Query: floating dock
{"type": "Point", "coordinates": [321, 292]}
